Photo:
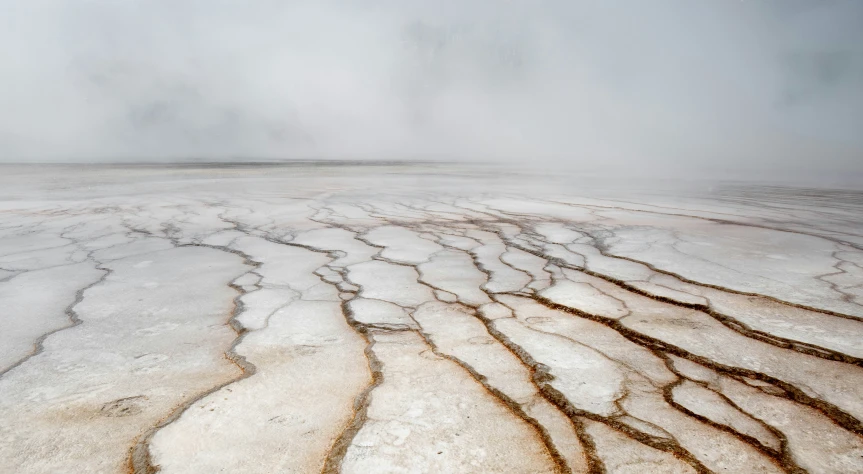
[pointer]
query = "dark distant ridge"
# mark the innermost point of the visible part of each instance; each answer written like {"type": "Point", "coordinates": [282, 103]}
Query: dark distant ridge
{"type": "Point", "coordinates": [231, 164]}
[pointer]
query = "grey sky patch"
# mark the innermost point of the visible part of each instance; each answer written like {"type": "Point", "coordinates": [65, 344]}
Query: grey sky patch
{"type": "Point", "coordinates": [667, 84]}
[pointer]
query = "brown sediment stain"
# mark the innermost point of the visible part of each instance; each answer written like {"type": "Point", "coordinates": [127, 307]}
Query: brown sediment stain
{"type": "Point", "coordinates": [122, 407]}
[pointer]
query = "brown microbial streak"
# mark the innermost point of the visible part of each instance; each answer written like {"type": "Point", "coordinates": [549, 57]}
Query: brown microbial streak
{"type": "Point", "coordinates": [557, 398]}
{"type": "Point", "coordinates": [595, 465]}
{"type": "Point", "coordinates": [561, 465]}
{"type": "Point", "coordinates": [335, 455]}
{"type": "Point", "coordinates": [783, 457]}
{"type": "Point", "coordinates": [668, 445]}
{"type": "Point", "coordinates": [140, 460]}
{"type": "Point", "coordinates": [728, 321]}
{"type": "Point", "coordinates": [337, 452]}
{"type": "Point", "coordinates": [716, 221]}
{"type": "Point", "coordinates": [340, 447]}
{"type": "Point", "coordinates": [541, 378]}
{"type": "Point", "coordinates": [605, 253]}
{"type": "Point", "coordinates": [725, 320]}
{"type": "Point", "coordinates": [74, 320]}
{"type": "Point", "coordinates": [838, 416]}
{"type": "Point", "coordinates": [520, 220]}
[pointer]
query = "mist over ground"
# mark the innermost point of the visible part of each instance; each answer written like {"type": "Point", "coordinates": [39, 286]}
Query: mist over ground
{"type": "Point", "coordinates": [754, 86]}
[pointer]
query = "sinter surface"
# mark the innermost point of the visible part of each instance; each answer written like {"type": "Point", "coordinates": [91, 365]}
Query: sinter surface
{"type": "Point", "coordinates": [394, 318]}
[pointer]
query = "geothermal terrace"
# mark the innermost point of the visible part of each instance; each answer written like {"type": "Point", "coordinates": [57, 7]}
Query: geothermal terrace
{"type": "Point", "coordinates": [424, 318]}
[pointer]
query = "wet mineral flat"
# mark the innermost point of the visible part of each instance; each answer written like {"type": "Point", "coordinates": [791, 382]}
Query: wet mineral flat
{"type": "Point", "coordinates": [407, 318]}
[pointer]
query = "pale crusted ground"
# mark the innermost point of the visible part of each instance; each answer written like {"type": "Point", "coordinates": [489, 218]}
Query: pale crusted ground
{"type": "Point", "coordinates": [396, 318]}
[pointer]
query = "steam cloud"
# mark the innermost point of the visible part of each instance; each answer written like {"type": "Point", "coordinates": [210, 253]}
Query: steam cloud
{"type": "Point", "coordinates": [667, 84]}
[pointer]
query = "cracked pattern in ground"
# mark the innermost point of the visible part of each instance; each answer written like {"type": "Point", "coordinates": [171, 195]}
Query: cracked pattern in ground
{"type": "Point", "coordinates": [398, 318]}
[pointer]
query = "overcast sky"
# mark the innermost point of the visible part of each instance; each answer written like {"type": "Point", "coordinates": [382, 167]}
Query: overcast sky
{"type": "Point", "coordinates": [700, 84]}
